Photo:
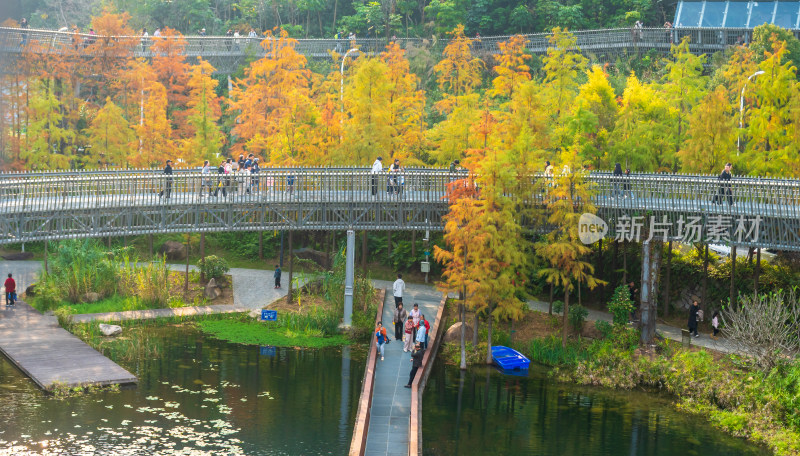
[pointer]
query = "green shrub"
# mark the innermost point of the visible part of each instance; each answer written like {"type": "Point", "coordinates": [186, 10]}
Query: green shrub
{"type": "Point", "coordinates": [213, 266]}
{"type": "Point", "coordinates": [604, 328]}
{"type": "Point", "coordinates": [550, 352]}
{"type": "Point", "coordinates": [558, 306]}
{"type": "Point", "coordinates": [621, 305]}
{"type": "Point", "coordinates": [577, 316]}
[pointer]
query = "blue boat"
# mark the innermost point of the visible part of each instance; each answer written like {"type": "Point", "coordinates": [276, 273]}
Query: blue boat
{"type": "Point", "coordinates": [509, 359]}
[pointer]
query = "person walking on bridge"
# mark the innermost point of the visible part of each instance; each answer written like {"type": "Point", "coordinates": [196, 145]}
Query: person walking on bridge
{"type": "Point", "coordinates": [400, 316]}
{"type": "Point", "coordinates": [398, 287]}
{"type": "Point", "coordinates": [416, 363]}
{"type": "Point", "coordinates": [725, 186]}
{"type": "Point", "coordinates": [205, 181]}
{"type": "Point", "coordinates": [167, 191]}
{"type": "Point", "coordinates": [377, 167]}
{"type": "Point", "coordinates": [381, 338]}
{"type": "Point", "coordinates": [616, 180]}
{"type": "Point", "coordinates": [11, 290]}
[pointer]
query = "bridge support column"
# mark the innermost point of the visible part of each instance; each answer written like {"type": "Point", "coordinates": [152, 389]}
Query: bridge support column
{"type": "Point", "coordinates": [651, 261]}
{"type": "Point", "coordinates": [349, 278]}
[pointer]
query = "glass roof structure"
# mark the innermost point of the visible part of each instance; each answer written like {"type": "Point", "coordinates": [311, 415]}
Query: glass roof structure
{"type": "Point", "coordinates": [737, 14]}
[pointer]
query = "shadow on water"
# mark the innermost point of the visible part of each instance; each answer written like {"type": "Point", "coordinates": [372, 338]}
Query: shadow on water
{"type": "Point", "coordinates": [200, 395]}
{"type": "Point", "coordinates": [483, 412]}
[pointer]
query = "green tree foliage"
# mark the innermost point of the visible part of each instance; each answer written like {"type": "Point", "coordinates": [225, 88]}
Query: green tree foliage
{"type": "Point", "coordinates": [204, 114]}
{"type": "Point", "coordinates": [111, 137]}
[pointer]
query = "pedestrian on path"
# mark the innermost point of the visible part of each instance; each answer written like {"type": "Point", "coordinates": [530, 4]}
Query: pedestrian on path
{"type": "Point", "coordinates": [11, 290]}
{"type": "Point", "coordinates": [167, 191]}
{"type": "Point", "coordinates": [400, 316]}
{"type": "Point", "coordinates": [381, 337]}
{"type": "Point", "coordinates": [277, 276]}
{"type": "Point", "coordinates": [715, 324]}
{"type": "Point", "coordinates": [416, 363]}
{"type": "Point", "coordinates": [408, 337]}
{"type": "Point", "coordinates": [424, 322]}
{"type": "Point", "coordinates": [725, 186]}
{"type": "Point", "coordinates": [377, 167]}
{"type": "Point", "coordinates": [414, 314]}
{"type": "Point", "coordinates": [422, 333]}
{"type": "Point", "coordinates": [205, 182]}
{"type": "Point", "coordinates": [398, 288]}
{"type": "Point", "coordinates": [693, 318]}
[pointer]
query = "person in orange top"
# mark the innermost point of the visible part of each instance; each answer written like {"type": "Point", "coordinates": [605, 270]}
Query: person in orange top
{"type": "Point", "coordinates": [11, 288]}
{"type": "Point", "coordinates": [381, 337]}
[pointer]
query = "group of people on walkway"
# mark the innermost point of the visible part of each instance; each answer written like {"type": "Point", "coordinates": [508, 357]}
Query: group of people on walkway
{"type": "Point", "coordinates": [395, 180]}
{"type": "Point", "coordinates": [410, 327]}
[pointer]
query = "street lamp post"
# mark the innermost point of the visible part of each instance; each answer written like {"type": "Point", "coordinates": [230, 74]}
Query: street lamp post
{"type": "Point", "coordinates": [341, 90]}
{"type": "Point", "coordinates": [741, 112]}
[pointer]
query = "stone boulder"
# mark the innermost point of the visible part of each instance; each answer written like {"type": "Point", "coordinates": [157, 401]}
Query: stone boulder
{"type": "Point", "coordinates": [312, 255]}
{"type": "Point", "coordinates": [91, 297]}
{"type": "Point", "coordinates": [110, 330]}
{"type": "Point", "coordinates": [453, 334]}
{"type": "Point", "coordinates": [313, 287]}
{"type": "Point", "coordinates": [212, 291]}
{"type": "Point", "coordinates": [19, 256]}
{"type": "Point", "coordinates": [173, 250]}
{"type": "Point", "coordinates": [31, 290]}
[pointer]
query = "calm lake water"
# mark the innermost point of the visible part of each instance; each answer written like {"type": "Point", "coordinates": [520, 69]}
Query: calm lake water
{"type": "Point", "coordinates": [200, 396]}
{"type": "Point", "coordinates": [485, 412]}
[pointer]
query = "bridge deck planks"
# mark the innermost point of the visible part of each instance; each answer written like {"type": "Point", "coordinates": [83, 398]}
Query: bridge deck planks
{"type": "Point", "coordinates": [50, 355]}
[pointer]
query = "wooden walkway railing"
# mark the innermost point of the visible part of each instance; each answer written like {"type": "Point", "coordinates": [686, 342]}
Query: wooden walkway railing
{"type": "Point", "coordinates": [418, 386]}
{"type": "Point", "coordinates": [358, 443]}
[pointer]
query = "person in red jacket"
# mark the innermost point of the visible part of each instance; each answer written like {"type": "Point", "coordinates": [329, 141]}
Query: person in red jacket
{"type": "Point", "coordinates": [11, 288]}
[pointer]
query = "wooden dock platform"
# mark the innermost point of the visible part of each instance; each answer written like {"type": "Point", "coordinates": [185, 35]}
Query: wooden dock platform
{"type": "Point", "coordinates": [50, 355]}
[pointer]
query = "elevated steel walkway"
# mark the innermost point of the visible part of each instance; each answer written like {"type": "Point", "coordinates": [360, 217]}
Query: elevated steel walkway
{"type": "Point", "coordinates": [227, 54]}
{"type": "Point", "coordinates": [63, 205]}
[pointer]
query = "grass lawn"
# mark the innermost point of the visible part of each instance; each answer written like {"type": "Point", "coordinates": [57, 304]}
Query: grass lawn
{"type": "Point", "coordinates": [254, 332]}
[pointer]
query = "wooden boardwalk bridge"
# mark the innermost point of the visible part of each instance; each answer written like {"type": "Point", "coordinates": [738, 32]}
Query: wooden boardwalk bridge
{"type": "Point", "coordinates": [50, 355]}
{"type": "Point", "coordinates": [227, 54]}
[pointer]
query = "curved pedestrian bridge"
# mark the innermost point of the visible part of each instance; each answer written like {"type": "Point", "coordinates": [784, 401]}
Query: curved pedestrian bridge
{"type": "Point", "coordinates": [754, 212]}
{"type": "Point", "coordinates": [227, 54]}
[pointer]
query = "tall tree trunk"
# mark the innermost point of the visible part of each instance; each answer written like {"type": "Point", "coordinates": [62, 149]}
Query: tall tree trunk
{"type": "Point", "coordinates": [261, 245]}
{"type": "Point", "coordinates": [475, 331]}
{"type": "Point", "coordinates": [291, 267]}
{"type": "Point", "coordinates": [756, 271]}
{"type": "Point", "coordinates": [45, 256]}
{"type": "Point", "coordinates": [186, 279]}
{"type": "Point", "coordinates": [704, 291]}
{"type": "Point", "coordinates": [667, 277]}
{"type": "Point", "coordinates": [489, 340]}
{"type": "Point", "coordinates": [550, 308]}
{"type": "Point", "coordinates": [202, 257]}
{"type": "Point", "coordinates": [463, 364]}
{"type": "Point", "coordinates": [364, 254]}
{"type": "Point", "coordinates": [614, 258]}
{"type": "Point", "coordinates": [389, 244]}
{"type": "Point", "coordinates": [414, 245]}
{"type": "Point", "coordinates": [564, 323]}
{"type": "Point", "coordinates": [733, 277]}
{"type": "Point", "coordinates": [150, 244]}
{"type": "Point", "coordinates": [625, 261]}
{"type": "Point", "coordinates": [335, 7]}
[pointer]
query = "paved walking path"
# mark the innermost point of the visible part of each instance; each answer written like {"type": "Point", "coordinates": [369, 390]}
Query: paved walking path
{"type": "Point", "coordinates": [667, 331]}
{"type": "Point", "coordinates": [391, 401]}
{"type": "Point", "coordinates": [51, 355]}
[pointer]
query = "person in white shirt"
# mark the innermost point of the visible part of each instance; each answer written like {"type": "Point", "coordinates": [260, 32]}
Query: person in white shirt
{"type": "Point", "coordinates": [377, 167]}
{"type": "Point", "coordinates": [414, 315]}
{"type": "Point", "coordinates": [206, 180]}
{"type": "Point", "coordinates": [397, 290]}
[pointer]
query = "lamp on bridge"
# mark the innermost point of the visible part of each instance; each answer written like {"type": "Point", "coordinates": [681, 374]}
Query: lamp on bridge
{"type": "Point", "coordinates": [741, 111]}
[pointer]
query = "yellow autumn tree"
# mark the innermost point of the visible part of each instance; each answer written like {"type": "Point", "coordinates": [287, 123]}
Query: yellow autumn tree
{"type": "Point", "coordinates": [406, 105]}
{"type": "Point", "coordinates": [512, 69]}
{"type": "Point", "coordinates": [275, 115]}
{"type": "Point", "coordinates": [111, 137]}
{"type": "Point", "coordinates": [203, 115]}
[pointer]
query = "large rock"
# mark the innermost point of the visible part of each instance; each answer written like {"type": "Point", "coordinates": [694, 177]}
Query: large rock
{"type": "Point", "coordinates": [453, 333]}
{"type": "Point", "coordinates": [91, 297]}
{"type": "Point", "coordinates": [212, 291]}
{"type": "Point", "coordinates": [173, 250]}
{"type": "Point", "coordinates": [110, 330]}
{"type": "Point", "coordinates": [19, 256]}
{"type": "Point", "coordinates": [31, 290]}
{"type": "Point", "coordinates": [313, 255]}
